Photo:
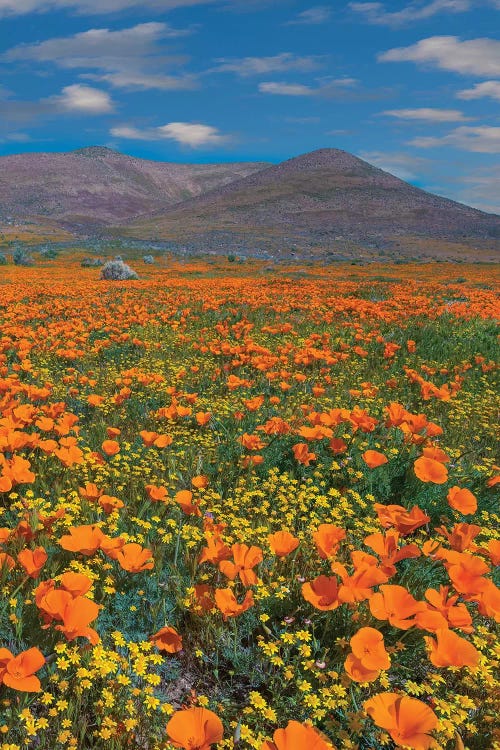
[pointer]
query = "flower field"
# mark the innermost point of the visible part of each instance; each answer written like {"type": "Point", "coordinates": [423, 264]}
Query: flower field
{"type": "Point", "coordinates": [246, 507]}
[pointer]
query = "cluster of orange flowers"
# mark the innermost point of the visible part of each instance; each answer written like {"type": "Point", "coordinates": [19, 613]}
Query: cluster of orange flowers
{"type": "Point", "coordinates": [130, 431]}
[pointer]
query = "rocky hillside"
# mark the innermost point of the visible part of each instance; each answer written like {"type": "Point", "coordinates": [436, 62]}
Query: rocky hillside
{"type": "Point", "coordinates": [97, 186]}
{"type": "Point", "coordinates": [322, 195]}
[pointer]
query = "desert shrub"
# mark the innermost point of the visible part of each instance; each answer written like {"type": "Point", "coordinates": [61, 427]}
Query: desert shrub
{"type": "Point", "coordinates": [21, 257]}
{"type": "Point", "coordinates": [91, 262]}
{"type": "Point", "coordinates": [148, 259]}
{"type": "Point", "coordinates": [3, 260]}
{"type": "Point", "coordinates": [48, 253]}
{"type": "Point", "coordinates": [117, 270]}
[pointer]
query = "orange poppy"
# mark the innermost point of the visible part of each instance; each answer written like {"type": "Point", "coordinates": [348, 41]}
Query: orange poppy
{"type": "Point", "coordinates": [110, 447]}
{"type": "Point", "coordinates": [85, 539]}
{"type": "Point", "coordinates": [430, 470]}
{"type": "Point", "coordinates": [134, 558]}
{"type": "Point", "coordinates": [203, 417]}
{"type": "Point", "coordinates": [449, 650]}
{"type": "Point", "coordinates": [109, 503]}
{"type": "Point", "coordinates": [251, 442]}
{"type": "Point", "coordinates": [18, 672]}
{"type": "Point", "coordinates": [368, 646]}
{"type": "Point", "coordinates": [200, 482]}
{"type": "Point", "coordinates": [167, 639]}
{"type": "Point", "coordinates": [6, 561]}
{"type": "Point", "coordinates": [5, 483]}
{"type": "Point", "coordinates": [76, 618]}
{"type": "Point", "coordinates": [322, 593]}
{"type": "Point", "coordinates": [338, 445]}
{"type": "Point", "coordinates": [228, 604]}
{"type": "Point", "coordinates": [282, 543]}
{"type": "Point", "coordinates": [466, 572]}
{"type": "Point", "coordinates": [195, 728]}
{"type": "Point", "coordinates": [163, 441]}
{"type": "Point", "coordinates": [245, 559]}
{"type": "Point", "coordinates": [90, 492]}
{"type": "Point", "coordinates": [33, 561]}
{"type": "Point", "coordinates": [395, 604]}
{"type": "Point", "coordinates": [443, 611]}
{"type": "Point", "coordinates": [77, 584]}
{"type": "Point", "coordinates": [494, 551]}
{"type": "Point", "coordinates": [296, 736]}
{"type": "Point", "coordinates": [407, 720]}
{"type": "Point", "coordinates": [157, 494]}
{"type": "Point", "coordinates": [462, 499]}
{"type": "Point", "coordinates": [489, 601]}
{"type": "Point", "coordinates": [215, 551]}
{"type": "Point", "coordinates": [358, 672]}
{"type": "Point", "coordinates": [437, 454]}
{"type": "Point", "coordinates": [185, 500]}
{"type": "Point", "coordinates": [111, 546]}
{"type": "Point", "coordinates": [374, 458]}
{"type": "Point", "coordinates": [461, 536]}
{"type": "Point", "coordinates": [405, 521]}
{"type": "Point", "coordinates": [51, 602]}
{"type": "Point", "coordinates": [302, 454]}
{"type": "Point", "coordinates": [148, 438]}
{"type": "Point", "coordinates": [327, 539]}
{"type": "Point", "coordinates": [386, 547]}
{"type": "Point", "coordinates": [358, 586]}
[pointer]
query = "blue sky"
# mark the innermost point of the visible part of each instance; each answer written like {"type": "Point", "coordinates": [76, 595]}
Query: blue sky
{"type": "Point", "coordinates": [413, 87]}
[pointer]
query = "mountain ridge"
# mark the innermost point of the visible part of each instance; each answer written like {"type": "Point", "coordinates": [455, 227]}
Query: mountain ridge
{"type": "Point", "coordinates": [99, 186]}
{"type": "Point", "coordinates": [323, 194]}
{"type": "Point", "coordinates": [325, 199]}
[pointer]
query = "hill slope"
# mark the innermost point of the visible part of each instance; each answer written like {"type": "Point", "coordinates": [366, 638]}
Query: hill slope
{"type": "Point", "coordinates": [324, 195]}
{"type": "Point", "coordinates": [97, 186]}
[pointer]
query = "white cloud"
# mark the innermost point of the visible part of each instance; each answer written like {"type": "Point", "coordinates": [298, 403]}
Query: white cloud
{"type": "Point", "coordinates": [86, 99]}
{"type": "Point", "coordinates": [285, 89]}
{"type": "Point", "coordinates": [249, 66]}
{"type": "Point", "coordinates": [191, 134]}
{"type": "Point", "coordinates": [134, 134]}
{"type": "Point", "coordinates": [133, 81]}
{"type": "Point", "coordinates": [482, 139]}
{"type": "Point", "coordinates": [90, 7]}
{"type": "Point", "coordinates": [471, 57]}
{"type": "Point", "coordinates": [485, 89]}
{"type": "Point", "coordinates": [76, 99]}
{"type": "Point", "coordinates": [427, 114]}
{"type": "Point", "coordinates": [402, 165]}
{"type": "Point", "coordinates": [15, 138]}
{"type": "Point", "coordinates": [377, 14]}
{"type": "Point", "coordinates": [481, 188]}
{"type": "Point", "coordinates": [125, 58]}
{"type": "Point", "coordinates": [328, 87]}
{"type": "Point", "coordinates": [312, 16]}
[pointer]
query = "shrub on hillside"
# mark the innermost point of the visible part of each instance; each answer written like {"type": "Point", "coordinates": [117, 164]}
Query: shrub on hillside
{"type": "Point", "coordinates": [117, 270]}
{"type": "Point", "coordinates": [148, 259]}
{"type": "Point", "coordinates": [3, 260]}
{"type": "Point", "coordinates": [21, 257]}
{"type": "Point", "coordinates": [91, 262]}
{"type": "Point", "coordinates": [48, 253]}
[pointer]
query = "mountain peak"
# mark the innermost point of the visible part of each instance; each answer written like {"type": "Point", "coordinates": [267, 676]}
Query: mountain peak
{"type": "Point", "coordinates": [333, 159]}
{"type": "Point", "coordinates": [96, 151]}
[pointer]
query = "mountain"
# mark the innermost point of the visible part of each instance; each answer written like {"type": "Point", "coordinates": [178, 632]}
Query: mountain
{"type": "Point", "coordinates": [96, 186]}
{"type": "Point", "coordinates": [327, 202]}
{"type": "Point", "coordinates": [320, 198]}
